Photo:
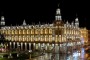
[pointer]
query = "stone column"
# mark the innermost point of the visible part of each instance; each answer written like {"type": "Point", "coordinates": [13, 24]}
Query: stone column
{"type": "Point", "coordinates": [48, 46]}
{"type": "Point", "coordinates": [21, 46]}
{"type": "Point", "coordinates": [38, 46]}
{"type": "Point", "coordinates": [59, 48]}
{"type": "Point", "coordinates": [25, 46]}
{"type": "Point", "coordinates": [54, 51]}
{"type": "Point", "coordinates": [29, 46]}
{"type": "Point", "coordinates": [34, 46]}
{"type": "Point", "coordinates": [17, 44]}
{"type": "Point", "coordinates": [13, 45]}
{"type": "Point", "coordinates": [43, 47]}
{"type": "Point", "coordinates": [10, 45]}
{"type": "Point", "coordinates": [59, 52]}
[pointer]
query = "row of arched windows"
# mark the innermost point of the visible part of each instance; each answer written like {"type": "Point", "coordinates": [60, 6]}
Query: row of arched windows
{"type": "Point", "coordinates": [28, 31]}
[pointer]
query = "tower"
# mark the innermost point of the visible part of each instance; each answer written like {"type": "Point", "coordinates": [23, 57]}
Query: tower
{"type": "Point", "coordinates": [2, 23]}
{"type": "Point", "coordinates": [58, 22]}
{"type": "Point", "coordinates": [24, 22]}
{"type": "Point", "coordinates": [76, 21]}
{"type": "Point", "coordinates": [58, 19]}
{"type": "Point", "coordinates": [58, 14]}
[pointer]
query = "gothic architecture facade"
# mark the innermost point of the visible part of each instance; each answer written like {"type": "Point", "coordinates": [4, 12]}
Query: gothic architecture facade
{"type": "Point", "coordinates": [47, 35]}
{"type": "Point", "coordinates": [84, 35]}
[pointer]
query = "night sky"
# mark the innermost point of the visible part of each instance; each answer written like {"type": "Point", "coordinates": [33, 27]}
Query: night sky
{"type": "Point", "coordinates": [44, 11]}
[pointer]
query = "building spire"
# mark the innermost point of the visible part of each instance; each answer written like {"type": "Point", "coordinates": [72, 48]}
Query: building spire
{"type": "Point", "coordinates": [39, 24]}
{"type": "Point", "coordinates": [58, 5]}
{"type": "Point", "coordinates": [24, 22]}
{"type": "Point", "coordinates": [77, 21]}
{"type": "Point", "coordinates": [76, 17]}
{"type": "Point", "coordinates": [58, 14]}
{"type": "Point", "coordinates": [2, 21]}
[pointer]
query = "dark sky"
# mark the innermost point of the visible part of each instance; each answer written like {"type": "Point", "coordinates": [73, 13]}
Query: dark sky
{"type": "Point", "coordinates": [44, 11]}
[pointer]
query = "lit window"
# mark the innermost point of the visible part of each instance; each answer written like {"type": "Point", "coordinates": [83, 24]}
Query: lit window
{"type": "Point", "coordinates": [36, 31]}
{"type": "Point", "coordinates": [50, 31]}
{"type": "Point", "coordinates": [45, 38]}
{"type": "Point", "coordinates": [27, 31]}
{"type": "Point", "coordinates": [19, 31]}
{"type": "Point", "coordinates": [16, 31]}
{"type": "Point", "coordinates": [12, 31]}
{"type": "Point", "coordinates": [32, 31]}
{"type": "Point", "coordinates": [46, 31]}
{"type": "Point", "coordinates": [41, 31]}
{"type": "Point", "coordinates": [23, 31]}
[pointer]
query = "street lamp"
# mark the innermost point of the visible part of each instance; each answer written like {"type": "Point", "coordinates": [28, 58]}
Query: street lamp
{"type": "Point", "coordinates": [18, 47]}
{"type": "Point", "coordinates": [42, 49]}
{"type": "Point", "coordinates": [30, 54]}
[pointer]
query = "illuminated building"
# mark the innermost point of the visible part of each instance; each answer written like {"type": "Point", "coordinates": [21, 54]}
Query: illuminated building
{"type": "Point", "coordinates": [84, 35]}
{"type": "Point", "coordinates": [46, 35]}
{"type": "Point", "coordinates": [88, 37]}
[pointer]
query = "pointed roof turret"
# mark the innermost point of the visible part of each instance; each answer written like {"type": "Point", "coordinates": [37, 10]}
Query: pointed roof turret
{"type": "Point", "coordinates": [67, 22]}
{"type": "Point", "coordinates": [2, 18]}
{"type": "Point", "coordinates": [2, 23]}
{"type": "Point", "coordinates": [39, 24]}
{"type": "Point", "coordinates": [58, 10]}
{"type": "Point", "coordinates": [72, 23]}
{"type": "Point", "coordinates": [77, 21]}
{"type": "Point", "coordinates": [76, 17]}
{"type": "Point", "coordinates": [24, 22]}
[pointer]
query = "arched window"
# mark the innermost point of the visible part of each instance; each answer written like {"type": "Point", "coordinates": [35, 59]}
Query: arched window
{"type": "Point", "coordinates": [24, 32]}
{"type": "Point", "coordinates": [36, 31]}
{"type": "Point", "coordinates": [16, 31]}
{"type": "Point", "coordinates": [28, 31]}
{"type": "Point", "coordinates": [12, 31]}
{"type": "Point", "coordinates": [45, 38]}
{"type": "Point", "coordinates": [50, 31]}
{"type": "Point", "coordinates": [32, 31]}
{"type": "Point", "coordinates": [46, 31]}
{"type": "Point", "coordinates": [19, 38]}
{"type": "Point", "coordinates": [19, 31]}
{"type": "Point", "coordinates": [41, 31]}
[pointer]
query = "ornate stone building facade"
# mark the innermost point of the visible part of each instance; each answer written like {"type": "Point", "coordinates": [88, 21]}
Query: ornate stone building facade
{"type": "Point", "coordinates": [47, 35]}
{"type": "Point", "coordinates": [88, 37]}
{"type": "Point", "coordinates": [84, 35]}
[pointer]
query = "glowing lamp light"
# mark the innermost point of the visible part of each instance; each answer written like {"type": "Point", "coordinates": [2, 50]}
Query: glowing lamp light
{"type": "Point", "coordinates": [75, 54]}
{"type": "Point", "coordinates": [30, 50]}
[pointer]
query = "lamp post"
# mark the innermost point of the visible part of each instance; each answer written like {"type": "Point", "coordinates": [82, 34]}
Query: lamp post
{"type": "Point", "coordinates": [30, 54]}
{"type": "Point", "coordinates": [18, 47]}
